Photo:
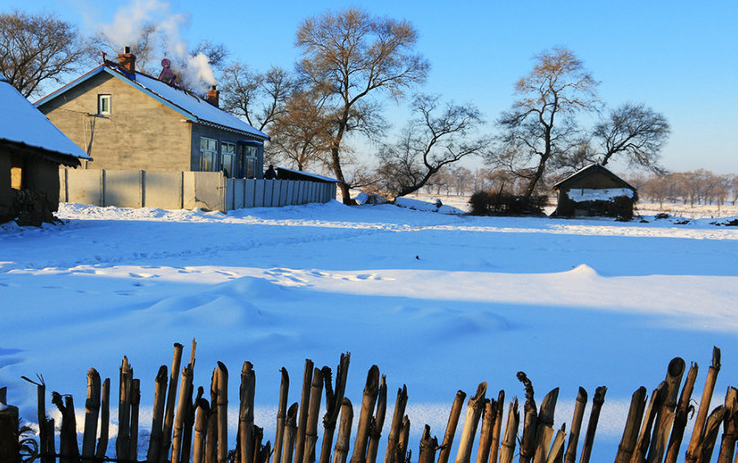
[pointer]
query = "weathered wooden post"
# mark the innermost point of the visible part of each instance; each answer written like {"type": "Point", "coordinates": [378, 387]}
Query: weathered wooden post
{"type": "Point", "coordinates": [405, 439]}
{"type": "Point", "coordinates": [453, 422]}
{"type": "Point", "coordinates": [530, 420]}
{"type": "Point", "coordinates": [485, 434]}
{"type": "Point", "coordinates": [665, 418]}
{"type": "Point", "coordinates": [102, 444]}
{"type": "Point", "coordinates": [343, 441]}
{"type": "Point", "coordinates": [393, 438]}
{"type": "Point", "coordinates": [9, 422]}
{"type": "Point", "coordinates": [290, 431]}
{"type": "Point", "coordinates": [499, 411]}
{"type": "Point", "coordinates": [594, 417]}
{"type": "Point", "coordinates": [307, 381]}
{"type": "Point", "coordinates": [166, 434]}
{"type": "Point", "coordinates": [644, 438]}
{"type": "Point", "coordinates": [716, 418]}
{"type": "Point", "coordinates": [211, 440]}
{"type": "Point", "coordinates": [474, 410]}
{"type": "Point", "coordinates": [556, 454]}
{"type": "Point", "coordinates": [727, 445]}
{"type": "Point", "coordinates": [681, 416]}
{"type": "Point", "coordinates": [284, 388]}
{"type": "Point", "coordinates": [375, 430]}
{"type": "Point", "coordinates": [544, 425]}
{"type": "Point", "coordinates": [222, 405]}
{"type": "Point", "coordinates": [122, 444]}
{"type": "Point", "coordinates": [311, 429]}
{"type": "Point", "coordinates": [185, 394]}
{"type": "Point", "coordinates": [157, 420]}
{"type": "Point", "coordinates": [68, 449]}
{"type": "Point", "coordinates": [576, 426]}
{"type": "Point", "coordinates": [632, 426]}
{"type": "Point", "coordinates": [246, 413]}
{"type": "Point", "coordinates": [507, 449]}
{"type": "Point", "coordinates": [371, 389]}
{"type": "Point", "coordinates": [133, 426]}
{"type": "Point", "coordinates": [333, 403]}
{"type": "Point", "coordinates": [201, 429]}
{"type": "Point", "coordinates": [92, 411]}
{"type": "Point", "coordinates": [693, 453]}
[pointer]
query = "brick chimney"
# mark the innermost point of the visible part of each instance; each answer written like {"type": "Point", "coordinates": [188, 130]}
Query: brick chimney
{"type": "Point", "coordinates": [127, 61]}
{"type": "Point", "coordinates": [213, 96]}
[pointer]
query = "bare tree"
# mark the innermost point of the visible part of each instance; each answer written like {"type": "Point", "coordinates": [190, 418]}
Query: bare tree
{"type": "Point", "coordinates": [540, 125]}
{"type": "Point", "coordinates": [35, 48]}
{"type": "Point", "coordinates": [259, 98]}
{"type": "Point", "coordinates": [348, 57]}
{"type": "Point", "coordinates": [636, 132]}
{"type": "Point", "coordinates": [439, 136]}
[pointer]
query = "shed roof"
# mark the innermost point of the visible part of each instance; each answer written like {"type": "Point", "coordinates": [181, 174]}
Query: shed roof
{"type": "Point", "coordinates": [26, 128]}
{"type": "Point", "coordinates": [592, 169]}
{"type": "Point", "coordinates": [291, 174]}
{"type": "Point", "coordinates": [189, 105]}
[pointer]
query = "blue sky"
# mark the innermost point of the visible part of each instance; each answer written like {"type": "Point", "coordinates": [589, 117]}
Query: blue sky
{"type": "Point", "coordinates": [678, 57]}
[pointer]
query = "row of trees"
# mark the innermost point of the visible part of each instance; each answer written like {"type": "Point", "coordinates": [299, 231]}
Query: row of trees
{"type": "Point", "coordinates": [350, 62]}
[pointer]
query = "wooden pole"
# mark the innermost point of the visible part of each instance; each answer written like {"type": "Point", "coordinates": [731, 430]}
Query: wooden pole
{"type": "Point", "coordinates": [123, 443]}
{"type": "Point", "coordinates": [307, 381]}
{"type": "Point", "coordinates": [201, 429]}
{"type": "Point", "coordinates": [9, 425]}
{"type": "Point", "coordinates": [284, 388]}
{"type": "Point", "coordinates": [290, 431]}
{"type": "Point", "coordinates": [405, 440]}
{"type": "Point", "coordinates": [557, 448]}
{"type": "Point", "coordinates": [211, 440]}
{"type": "Point", "coordinates": [375, 430]}
{"type": "Point", "coordinates": [496, 431]}
{"type": "Point", "coordinates": [133, 428]}
{"type": "Point", "coordinates": [393, 438]}
{"type": "Point", "coordinates": [681, 416]}
{"type": "Point", "coordinates": [716, 418]}
{"type": "Point", "coordinates": [453, 421]}
{"type": "Point", "coordinates": [428, 447]}
{"type": "Point", "coordinates": [530, 420]}
{"type": "Point", "coordinates": [333, 403]}
{"type": "Point", "coordinates": [189, 423]}
{"type": "Point", "coordinates": [665, 418]}
{"type": "Point", "coordinates": [222, 405]}
{"type": "Point", "coordinates": [474, 410]}
{"type": "Point", "coordinates": [576, 426]}
{"type": "Point", "coordinates": [485, 434]}
{"type": "Point", "coordinates": [343, 441]}
{"type": "Point", "coordinates": [632, 426]}
{"type": "Point", "coordinates": [727, 444]}
{"type": "Point", "coordinates": [311, 430]}
{"type": "Point", "coordinates": [699, 423]}
{"type": "Point", "coordinates": [507, 449]}
{"type": "Point", "coordinates": [644, 438]}
{"type": "Point", "coordinates": [92, 412]}
{"type": "Point", "coordinates": [102, 444]}
{"type": "Point", "coordinates": [544, 426]}
{"type": "Point", "coordinates": [166, 435]}
{"type": "Point", "coordinates": [594, 416]}
{"type": "Point", "coordinates": [246, 413]}
{"type": "Point", "coordinates": [182, 405]}
{"type": "Point", "coordinates": [371, 389]}
{"type": "Point", "coordinates": [157, 420]}
{"type": "Point", "coordinates": [68, 449]}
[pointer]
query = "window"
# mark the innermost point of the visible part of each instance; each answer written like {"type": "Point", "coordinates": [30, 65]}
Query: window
{"type": "Point", "coordinates": [16, 172]}
{"type": "Point", "coordinates": [208, 154]}
{"type": "Point", "coordinates": [228, 159]}
{"type": "Point", "coordinates": [103, 105]}
{"type": "Point", "coordinates": [248, 155]}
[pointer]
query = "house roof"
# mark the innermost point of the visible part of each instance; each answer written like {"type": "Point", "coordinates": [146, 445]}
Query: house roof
{"type": "Point", "coordinates": [594, 168]}
{"type": "Point", "coordinates": [26, 128]}
{"type": "Point", "coordinates": [189, 105]}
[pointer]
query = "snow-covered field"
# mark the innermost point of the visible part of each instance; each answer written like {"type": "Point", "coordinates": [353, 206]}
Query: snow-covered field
{"type": "Point", "coordinates": [439, 302]}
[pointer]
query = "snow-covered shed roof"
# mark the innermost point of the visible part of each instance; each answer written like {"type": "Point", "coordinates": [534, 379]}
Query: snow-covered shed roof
{"type": "Point", "coordinates": [25, 127]}
{"type": "Point", "coordinates": [189, 105]}
{"type": "Point", "coordinates": [291, 174]}
{"type": "Point", "coordinates": [591, 170]}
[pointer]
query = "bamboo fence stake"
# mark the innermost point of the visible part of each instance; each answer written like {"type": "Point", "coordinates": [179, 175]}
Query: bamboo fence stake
{"type": "Point", "coordinates": [404, 440]}
{"type": "Point", "coordinates": [453, 421]}
{"type": "Point", "coordinates": [665, 418]}
{"type": "Point", "coordinates": [185, 454]}
{"type": "Point", "coordinates": [158, 415]}
{"type": "Point", "coordinates": [375, 430]}
{"type": "Point", "coordinates": [369, 400]}
{"type": "Point", "coordinates": [222, 405]}
{"type": "Point", "coordinates": [428, 447]}
{"type": "Point", "coordinates": [485, 434]}
{"type": "Point", "coordinates": [122, 444]}
{"type": "Point", "coordinates": [576, 426]}
{"type": "Point", "coordinates": [507, 449]}
{"type": "Point", "coordinates": [246, 413]}
{"type": "Point", "coordinates": [334, 401]}
{"type": "Point", "coordinates": [284, 388]}
{"type": "Point", "coordinates": [311, 429]}
{"type": "Point", "coordinates": [290, 431]}
{"type": "Point", "coordinates": [556, 455]}
{"type": "Point", "coordinates": [474, 410]}
{"type": "Point", "coordinates": [183, 403]}
{"type": "Point", "coordinates": [681, 416]}
{"type": "Point", "coordinates": [68, 450]}
{"type": "Point", "coordinates": [716, 418]}
{"type": "Point", "coordinates": [632, 426]}
{"type": "Point", "coordinates": [530, 419]}
{"type": "Point", "coordinates": [727, 444]}
{"type": "Point", "coordinates": [644, 438]}
{"type": "Point", "coordinates": [92, 412]}
{"type": "Point", "coordinates": [166, 435]}
{"type": "Point", "coordinates": [45, 425]}
{"type": "Point", "coordinates": [257, 437]}
{"type": "Point", "coordinates": [699, 423]}
{"type": "Point", "coordinates": [211, 441]}
{"type": "Point", "coordinates": [393, 438]}
{"type": "Point", "coordinates": [594, 416]}
{"type": "Point", "coordinates": [544, 425]}
{"type": "Point", "coordinates": [201, 429]}
{"type": "Point", "coordinates": [135, 402]}
{"type": "Point", "coordinates": [307, 381]}
{"type": "Point", "coordinates": [102, 443]}
{"type": "Point", "coordinates": [497, 429]}
{"type": "Point", "coordinates": [343, 441]}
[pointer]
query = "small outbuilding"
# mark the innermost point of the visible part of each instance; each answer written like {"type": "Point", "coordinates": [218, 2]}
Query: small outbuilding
{"type": "Point", "coordinates": [31, 151]}
{"type": "Point", "coordinates": [595, 191]}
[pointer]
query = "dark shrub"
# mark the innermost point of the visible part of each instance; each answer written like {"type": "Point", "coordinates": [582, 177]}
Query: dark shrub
{"type": "Point", "coordinates": [486, 203]}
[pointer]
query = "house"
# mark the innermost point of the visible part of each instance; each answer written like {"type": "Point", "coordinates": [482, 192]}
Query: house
{"type": "Point", "coordinates": [595, 191]}
{"type": "Point", "coordinates": [31, 151]}
{"type": "Point", "coordinates": [127, 120]}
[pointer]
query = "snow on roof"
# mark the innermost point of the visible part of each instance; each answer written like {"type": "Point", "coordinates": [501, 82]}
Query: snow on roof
{"type": "Point", "coordinates": [21, 122]}
{"type": "Point", "coordinates": [306, 174]}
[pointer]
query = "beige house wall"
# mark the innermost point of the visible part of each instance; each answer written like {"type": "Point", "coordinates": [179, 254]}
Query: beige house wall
{"type": "Point", "coordinates": [139, 133]}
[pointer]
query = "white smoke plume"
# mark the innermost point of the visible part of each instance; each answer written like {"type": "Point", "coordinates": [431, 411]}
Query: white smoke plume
{"type": "Point", "coordinates": [155, 26]}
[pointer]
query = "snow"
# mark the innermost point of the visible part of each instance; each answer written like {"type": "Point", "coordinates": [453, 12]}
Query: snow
{"type": "Point", "coordinates": [21, 122]}
{"type": "Point", "coordinates": [438, 301]}
{"type": "Point", "coordinates": [579, 195]}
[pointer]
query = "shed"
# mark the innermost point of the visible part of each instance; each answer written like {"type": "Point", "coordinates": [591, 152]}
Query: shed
{"type": "Point", "coordinates": [595, 191]}
{"type": "Point", "coordinates": [31, 151]}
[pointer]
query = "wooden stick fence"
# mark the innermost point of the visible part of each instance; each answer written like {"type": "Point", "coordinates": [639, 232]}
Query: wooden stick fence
{"type": "Point", "coordinates": [187, 427]}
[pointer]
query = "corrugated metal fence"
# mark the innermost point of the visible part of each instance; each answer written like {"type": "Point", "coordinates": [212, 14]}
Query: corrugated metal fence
{"type": "Point", "coordinates": [185, 190]}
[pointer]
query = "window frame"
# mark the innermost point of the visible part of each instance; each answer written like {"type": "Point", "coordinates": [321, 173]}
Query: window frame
{"type": "Point", "coordinates": [101, 99]}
